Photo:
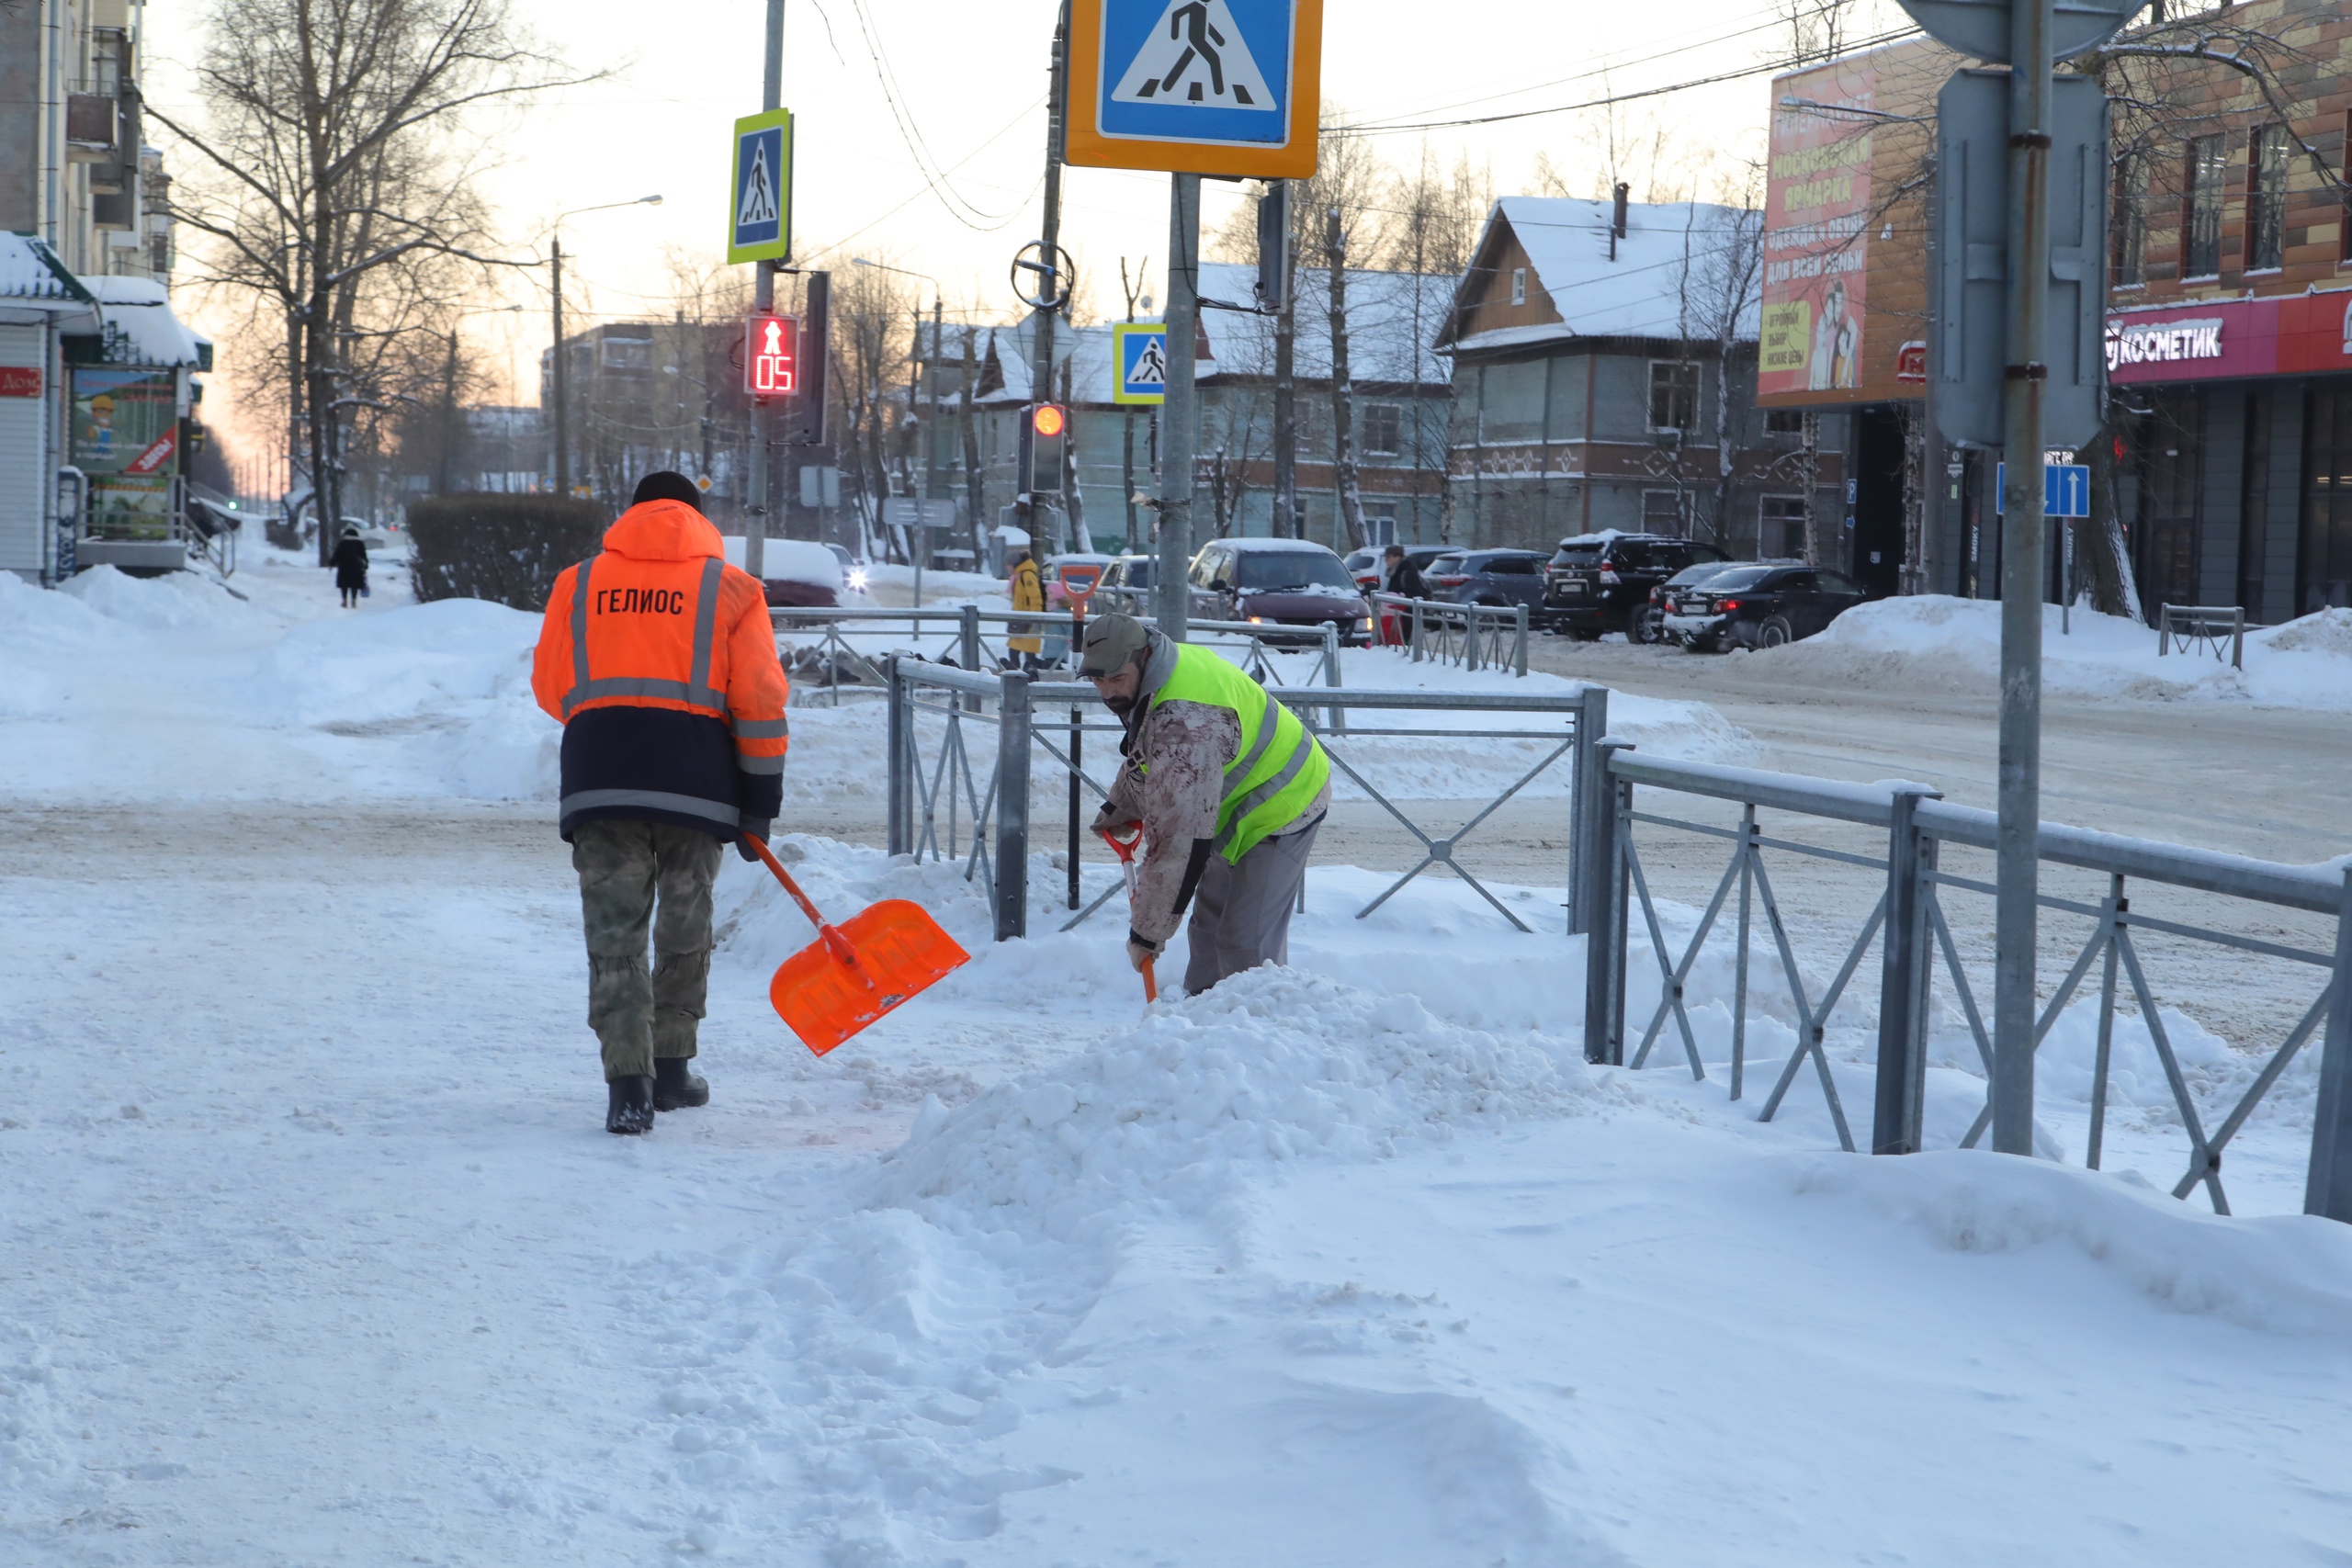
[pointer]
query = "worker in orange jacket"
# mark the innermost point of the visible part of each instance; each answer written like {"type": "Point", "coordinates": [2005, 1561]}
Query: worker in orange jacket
{"type": "Point", "coordinates": [659, 659]}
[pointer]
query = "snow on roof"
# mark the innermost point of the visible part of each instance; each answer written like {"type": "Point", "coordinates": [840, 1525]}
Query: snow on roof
{"type": "Point", "coordinates": [32, 275]}
{"type": "Point", "coordinates": [1641, 292]}
{"type": "Point", "coordinates": [1393, 317]}
{"type": "Point", "coordinates": [140, 327]}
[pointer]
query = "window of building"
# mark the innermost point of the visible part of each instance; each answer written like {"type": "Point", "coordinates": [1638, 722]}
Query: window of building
{"type": "Point", "coordinates": [1384, 429]}
{"type": "Point", "coordinates": [1674, 394]}
{"type": "Point", "coordinates": [2128, 233]}
{"type": "Point", "coordinates": [1380, 524]}
{"type": "Point", "coordinates": [1519, 286]}
{"type": "Point", "coordinates": [1664, 512]}
{"type": "Point", "coordinates": [1780, 529]}
{"type": "Point", "coordinates": [629, 354]}
{"type": "Point", "coordinates": [1784, 422]}
{"type": "Point", "coordinates": [2201, 215]}
{"type": "Point", "coordinates": [2265, 197]}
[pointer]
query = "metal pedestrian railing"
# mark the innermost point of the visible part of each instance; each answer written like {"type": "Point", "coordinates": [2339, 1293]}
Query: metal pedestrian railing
{"type": "Point", "coordinates": [946, 803]}
{"type": "Point", "coordinates": [1916, 949]}
{"type": "Point", "coordinates": [1474, 636]}
{"type": "Point", "coordinates": [2217, 629]}
{"type": "Point", "coordinates": [824, 662]}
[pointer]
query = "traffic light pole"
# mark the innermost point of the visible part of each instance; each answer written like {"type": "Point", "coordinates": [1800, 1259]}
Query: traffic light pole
{"type": "Point", "coordinates": [2017, 852]}
{"type": "Point", "coordinates": [762, 477]}
{"type": "Point", "coordinates": [1041, 380]}
{"type": "Point", "coordinates": [1180, 417]}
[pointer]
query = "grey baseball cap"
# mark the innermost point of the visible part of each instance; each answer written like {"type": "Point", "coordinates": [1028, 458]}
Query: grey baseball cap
{"type": "Point", "coordinates": [1109, 642]}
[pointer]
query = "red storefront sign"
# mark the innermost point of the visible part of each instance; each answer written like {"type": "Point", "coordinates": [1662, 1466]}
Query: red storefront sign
{"type": "Point", "coordinates": [20, 382]}
{"type": "Point", "coordinates": [2218, 340]}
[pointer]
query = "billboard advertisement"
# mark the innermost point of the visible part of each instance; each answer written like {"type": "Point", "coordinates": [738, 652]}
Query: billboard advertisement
{"type": "Point", "coordinates": [1816, 238]}
{"type": "Point", "coordinates": [125, 436]}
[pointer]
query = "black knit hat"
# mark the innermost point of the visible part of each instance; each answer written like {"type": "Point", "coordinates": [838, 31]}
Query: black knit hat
{"type": "Point", "coordinates": [663, 485]}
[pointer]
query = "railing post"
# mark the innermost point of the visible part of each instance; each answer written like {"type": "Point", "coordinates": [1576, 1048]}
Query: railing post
{"type": "Point", "coordinates": [1518, 643]}
{"type": "Point", "coordinates": [1583, 789]}
{"type": "Point", "coordinates": [1473, 655]}
{"type": "Point", "coordinates": [1012, 808]}
{"type": "Point", "coordinates": [971, 637]}
{"type": "Point", "coordinates": [1907, 962]}
{"type": "Point", "coordinates": [1335, 719]}
{"type": "Point", "coordinates": [2328, 1191]}
{"type": "Point", "coordinates": [1414, 636]}
{"type": "Point", "coordinates": [901, 827]}
{"type": "Point", "coordinates": [1604, 882]}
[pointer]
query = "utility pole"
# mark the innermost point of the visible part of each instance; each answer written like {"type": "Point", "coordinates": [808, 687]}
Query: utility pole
{"type": "Point", "coordinates": [762, 477]}
{"type": "Point", "coordinates": [1130, 287]}
{"type": "Point", "coordinates": [1181, 416]}
{"type": "Point", "coordinates": [1343, 456]}
{"type": "Point", "coordinates": [1287, 523]}
{"type": "Point", "coordinates": [1049, 252]}
{"type": "Point", "coordinates": [448, 414]}
{"type": "Point", "coordinates": [2017, 838]}
{"type": "Point", "coordinates": [562, 446]}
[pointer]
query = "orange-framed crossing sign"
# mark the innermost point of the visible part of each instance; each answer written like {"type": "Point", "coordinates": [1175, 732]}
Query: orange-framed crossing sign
{"type": "Point", "coordinates": [1196, 86]}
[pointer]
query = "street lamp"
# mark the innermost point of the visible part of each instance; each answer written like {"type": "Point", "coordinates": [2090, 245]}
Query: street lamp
{"type": "Point", "coordinates": [449, 392]}
{"type": "Point", "coordinates": [562, 446]}
{"type": "Point", "coordinates": [930, 427]}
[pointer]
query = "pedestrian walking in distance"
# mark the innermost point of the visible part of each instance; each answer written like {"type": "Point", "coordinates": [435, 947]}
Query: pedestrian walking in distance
{"type": "Point", "coordinates": [1230, 789]}
{"type": "Point", "coordinates": [1403, 578]}
{"type": "Point", "coordinates": [1028, 593]}
{"type": "Point", "coordinates": [350, 561]}
{"type": "Point", "coordinates": [660, 661]}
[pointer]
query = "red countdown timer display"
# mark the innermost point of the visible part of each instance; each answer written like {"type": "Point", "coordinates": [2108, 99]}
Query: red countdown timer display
{"type": "Point", "coordinates": [771, 355]}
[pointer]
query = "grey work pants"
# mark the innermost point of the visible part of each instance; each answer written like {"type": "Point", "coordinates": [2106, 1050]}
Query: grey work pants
{"type": "Point", "coordinates": [633, 876]}
{"type": "Point", "coordinates": [1241, 913]}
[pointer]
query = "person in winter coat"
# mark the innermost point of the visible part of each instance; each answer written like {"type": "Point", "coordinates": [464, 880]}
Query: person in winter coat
{"type": "Point", "coordinates": [350, 563]}
{"type": "Point", "coordinates": [659, 659]}
{"type": "Point", "coordinates": [1028, 593]}
{"type": "Point", "coordinates": [1403, 578]}
{"type": "Point", "coordinates": [1230, 789]}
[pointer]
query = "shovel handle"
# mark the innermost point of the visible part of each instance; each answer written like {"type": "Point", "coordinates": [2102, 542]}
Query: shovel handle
{"type": "Point", "coordinates": [790, 886]}
{"type": "Point", "coordinates": [1150, 985]}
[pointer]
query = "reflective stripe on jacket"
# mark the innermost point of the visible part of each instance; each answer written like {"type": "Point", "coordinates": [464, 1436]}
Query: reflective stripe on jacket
{"type": "Point", "coordinates": [660, 660]}
{"type": "Point", "coordinates": [1279, 769]}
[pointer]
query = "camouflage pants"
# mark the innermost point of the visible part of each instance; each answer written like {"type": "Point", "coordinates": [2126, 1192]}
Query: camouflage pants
{"type": "Point", "coordinates": [635, 876]}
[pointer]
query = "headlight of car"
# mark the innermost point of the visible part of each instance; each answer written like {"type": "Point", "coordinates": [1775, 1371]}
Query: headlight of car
{"type": "Point", "coordinates": [857, 580]}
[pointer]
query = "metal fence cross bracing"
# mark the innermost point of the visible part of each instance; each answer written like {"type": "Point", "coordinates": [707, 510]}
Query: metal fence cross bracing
{"type": "Point", "coordinates": [1919, 952]}
{"type": "Point", "coordinates": [1473, 636]}
{"type": "Point", "coordinates": [2215, 629]}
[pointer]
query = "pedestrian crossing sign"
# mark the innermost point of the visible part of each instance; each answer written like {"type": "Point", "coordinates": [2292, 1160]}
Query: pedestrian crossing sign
{"type": "Point", "coordinates": [1229, 87]}
{"type": "Point", "coordinates": [1140, 354]}
{"type": "Point", "coordinates": [760, 212]}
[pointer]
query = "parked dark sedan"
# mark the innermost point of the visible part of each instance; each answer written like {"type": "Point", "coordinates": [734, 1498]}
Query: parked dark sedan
{"type": "Point", "coordinates": [1761, 606]}
{"type": "Point", "coordinates": [1599, 582]}
{"type": "Point", "coordinates": [1487, 576]}
{"type": "Point", "coordinates": [1280, 582]}
{"type": "Point", "coordinates": [1650, 625]}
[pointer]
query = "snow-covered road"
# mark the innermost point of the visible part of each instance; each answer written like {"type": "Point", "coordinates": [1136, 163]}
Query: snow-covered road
{"type": "Point", "coordinates": [313, 1251]}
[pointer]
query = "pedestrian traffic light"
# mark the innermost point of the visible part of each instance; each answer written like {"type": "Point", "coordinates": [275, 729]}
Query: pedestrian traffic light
{"type": "Point", "coordinates": [1047, 431]}
{"type": "Point", "coordinates": [771, 355]}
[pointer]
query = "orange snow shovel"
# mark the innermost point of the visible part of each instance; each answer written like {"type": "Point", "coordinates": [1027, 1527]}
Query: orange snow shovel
{"type": "Point", "coordinates": [855, 972]}
{"type": "Point", "coordinates": [1126, 849]}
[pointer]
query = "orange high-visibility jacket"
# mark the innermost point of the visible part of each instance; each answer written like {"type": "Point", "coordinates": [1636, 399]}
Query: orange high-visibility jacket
{"type": "Point", "coordinates": [660, 660]}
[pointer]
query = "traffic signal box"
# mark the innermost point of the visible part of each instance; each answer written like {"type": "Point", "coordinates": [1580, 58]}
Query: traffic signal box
{"type": "Point", "coordinates": [1043, 439]}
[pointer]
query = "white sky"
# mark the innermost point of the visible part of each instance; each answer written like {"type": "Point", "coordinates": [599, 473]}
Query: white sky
{"type": "Point", "coordinates": [973, 77]}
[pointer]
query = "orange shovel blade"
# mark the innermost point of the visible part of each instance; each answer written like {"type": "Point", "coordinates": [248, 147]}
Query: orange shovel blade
{"type": "Point", "coordinates": [855, 972]}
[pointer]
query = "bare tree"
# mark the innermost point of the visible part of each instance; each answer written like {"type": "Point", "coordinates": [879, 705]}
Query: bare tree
{"type": "Point", "coordinates": [1720, 286]}
{"type": "Point", "coordinates": [331, 181]}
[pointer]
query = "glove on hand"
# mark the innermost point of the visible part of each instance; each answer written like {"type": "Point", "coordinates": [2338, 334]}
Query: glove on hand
{"type": "Point", "coordinates": [758, 827]}
{"type": "Point", "coordinates": [1111, 819]}
{"type": "Point", "coordinates": [1140, 953]}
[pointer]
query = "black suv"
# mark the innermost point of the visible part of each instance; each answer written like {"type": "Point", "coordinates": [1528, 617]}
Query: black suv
{"type": "Point", "coordinates": [1599, 582]}
{"type": "Point", "coordinates": [1760, 606]}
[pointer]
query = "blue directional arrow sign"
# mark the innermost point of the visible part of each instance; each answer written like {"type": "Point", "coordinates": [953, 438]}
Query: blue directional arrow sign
{"type": "Point", "coordinates": [2065, 488]}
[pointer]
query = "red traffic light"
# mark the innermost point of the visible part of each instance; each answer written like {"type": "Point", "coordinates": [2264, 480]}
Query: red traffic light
{"type": "Point", "coordinates": [771, 355]}
{"type": "Point", "coordinates": [1049, 418]}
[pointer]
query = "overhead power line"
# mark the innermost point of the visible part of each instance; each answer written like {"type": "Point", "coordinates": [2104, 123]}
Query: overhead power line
{"type": "Point", "coordinates": [1768, 68]}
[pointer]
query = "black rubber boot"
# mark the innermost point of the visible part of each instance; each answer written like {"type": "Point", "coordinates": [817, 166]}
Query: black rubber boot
{"type": "Point", "coordinates": [675, 1084]}
{"type": "Point", "coordinates": [630, 1107]}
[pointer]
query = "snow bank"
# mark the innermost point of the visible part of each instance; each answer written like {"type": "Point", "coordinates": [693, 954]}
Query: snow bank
{"type": "Point", "coordinates": [893, 1350]}
{"type": "Point", "coordinates": [2288, 1274]}
{"type": "Point", "coordinates": [1940, 642]}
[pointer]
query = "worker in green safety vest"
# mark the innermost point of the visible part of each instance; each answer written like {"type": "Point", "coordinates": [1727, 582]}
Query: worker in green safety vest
{"type": "Point", "coordinates": [1230, 789]}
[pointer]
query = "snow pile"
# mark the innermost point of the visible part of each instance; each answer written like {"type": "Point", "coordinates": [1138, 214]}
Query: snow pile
{"type": "Point", "coordinates": [2287, 1274]}
{"type": "Point", "coordinates": [1937, 641]}
{"type": "Point", "coordinates": [894, 1351]}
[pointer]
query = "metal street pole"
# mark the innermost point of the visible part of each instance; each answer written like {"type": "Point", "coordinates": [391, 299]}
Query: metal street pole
{"type": "Point", "coordinates": [2024, 375]}
{"type": "Point", "coordinates": [1041, 380]}
{"type": "Point", "coordinates": [563, 448]}
{"type": "Point", "coordinates": [763, 478]}
{"type": "Point", "coordinates": [929, 450]}
{"type": "Point", "coordinates": [1179, 418]}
